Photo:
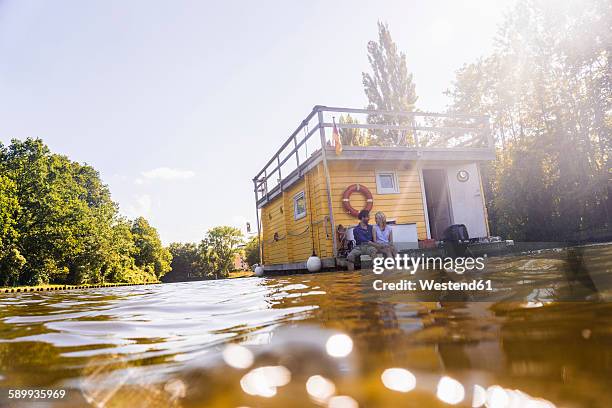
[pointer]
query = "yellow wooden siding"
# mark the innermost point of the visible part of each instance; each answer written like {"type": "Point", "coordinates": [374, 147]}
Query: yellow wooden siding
{"type": "Point", "coordinates": [404, 207]}
{"type": "Point", "coordinates": [295, 241]}
{"type": "Point", "coordinates": [298, 231]}
{"type": "Point", "coordinates": [273, 221]}
{"type": "Point", "coordinates": [322, 227]}
{"type": "Point", "coordinates": [296, 236]}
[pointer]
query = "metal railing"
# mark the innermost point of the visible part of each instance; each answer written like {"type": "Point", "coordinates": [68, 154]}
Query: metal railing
{"type": "Point", "coordinates": [410, 130]}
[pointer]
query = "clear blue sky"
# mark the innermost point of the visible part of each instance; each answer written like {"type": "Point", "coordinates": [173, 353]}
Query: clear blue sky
{"type": "Point", "coordinates": [179, 103]}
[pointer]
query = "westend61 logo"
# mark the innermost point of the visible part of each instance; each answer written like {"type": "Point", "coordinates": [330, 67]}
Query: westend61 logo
{"type": "Point", "coordinates": [457, 265]}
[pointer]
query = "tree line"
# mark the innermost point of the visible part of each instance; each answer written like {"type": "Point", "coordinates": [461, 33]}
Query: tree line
{"type": "Point", "coordinates": [214, 257]}
{"type": "Point", "coordinates": [58, 224]}
{"type": "Point", "coordinates": [547, 90]}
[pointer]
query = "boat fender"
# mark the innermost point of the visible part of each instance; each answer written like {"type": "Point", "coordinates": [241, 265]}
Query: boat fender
{"type": "Point", "coordinates": [346, 198]}
{"type": "Point", "coordinates": [259, 270]}
{"type": "Point", "coordinates": [313, 264]}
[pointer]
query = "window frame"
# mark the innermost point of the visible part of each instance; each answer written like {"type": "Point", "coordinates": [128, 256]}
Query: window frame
{"type": "Point", "coordinates": [296, 197]}
{"type": "Point", "coordinates": [385, 190]}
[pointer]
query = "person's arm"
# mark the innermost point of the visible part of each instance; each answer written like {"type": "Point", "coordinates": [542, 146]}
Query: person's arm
{"type": "Point", "coordinates": [390, 235]}
{"type": "Point", "coordinates": [374, 234]}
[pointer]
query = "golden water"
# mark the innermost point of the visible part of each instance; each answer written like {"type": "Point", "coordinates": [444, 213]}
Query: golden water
{"type": "Point", "coordinates": [162, 345]}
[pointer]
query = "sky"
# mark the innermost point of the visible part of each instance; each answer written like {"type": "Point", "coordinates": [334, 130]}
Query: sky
{"type": "Point", "coordinates": [178, 104]}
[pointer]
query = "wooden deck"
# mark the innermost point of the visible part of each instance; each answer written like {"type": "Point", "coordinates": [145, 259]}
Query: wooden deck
{"type": "Point", "coordinates": [339, 263]}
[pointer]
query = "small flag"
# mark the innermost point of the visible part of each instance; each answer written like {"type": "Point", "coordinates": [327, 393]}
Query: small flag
{"type": "Point", "coordinates": [337, 139]}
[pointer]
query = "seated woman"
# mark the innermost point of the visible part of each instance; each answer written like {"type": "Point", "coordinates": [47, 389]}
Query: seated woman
{"type": "Point", "coordinates": [383, 235]}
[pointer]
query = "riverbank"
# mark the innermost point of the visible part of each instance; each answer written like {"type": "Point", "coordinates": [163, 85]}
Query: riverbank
{"type": "Point", "coordinates": [50, 287]}
{"type": "Point", "coordinates": [240, 274]}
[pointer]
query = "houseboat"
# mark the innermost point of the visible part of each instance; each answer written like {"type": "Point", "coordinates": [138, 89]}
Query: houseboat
{"type": "Point", "coordinates": [421, 169]}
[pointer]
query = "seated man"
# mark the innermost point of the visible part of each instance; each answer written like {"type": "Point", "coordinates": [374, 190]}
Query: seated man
{"type": "Point", "coordinates": [364, 240]}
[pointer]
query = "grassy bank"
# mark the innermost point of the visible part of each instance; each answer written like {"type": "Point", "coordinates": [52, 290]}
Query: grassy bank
{"type": "Point", "coordinates": [50, 287]}
{"type": "Point", "coordinates": [240, 274]}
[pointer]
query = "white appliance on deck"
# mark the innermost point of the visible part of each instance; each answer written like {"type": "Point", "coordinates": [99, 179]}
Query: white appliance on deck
{"type": "Point", "coordinates": [404, 236]}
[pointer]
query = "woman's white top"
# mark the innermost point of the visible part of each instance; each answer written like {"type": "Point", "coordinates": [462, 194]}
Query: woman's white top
{"type": "Point", "coordinates": [383, 235]}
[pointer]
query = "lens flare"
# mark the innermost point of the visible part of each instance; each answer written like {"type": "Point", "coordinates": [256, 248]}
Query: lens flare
{"type": "Point", "coordinates": [342, 401]}
{"type": "Point", "coordinates": [237, 356]}
{"type": "Point", "coordinates": [398, 379]}
{"type": "Point", "coordinates": [480, 396]}
{"type": "Point", "coordinates": [497, 397]}
{"type": "Point", "coordinates": [450, 391]}
{"type": "Point", "coordinates": [176, 388]}
{"type": "Point", "coordinates": [339, 345]}
{"type": "Point", "coordinates": [320, 388]}
{"type": "Point", "coordinates": [263, 381]}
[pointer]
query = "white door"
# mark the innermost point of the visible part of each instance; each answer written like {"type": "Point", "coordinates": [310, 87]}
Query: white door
{"type": "Point", "coordinates": [466, 199]}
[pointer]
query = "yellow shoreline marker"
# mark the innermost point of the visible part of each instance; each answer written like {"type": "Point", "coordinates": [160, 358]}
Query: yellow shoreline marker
{"type": "Point", "coordinates": [69, 287]}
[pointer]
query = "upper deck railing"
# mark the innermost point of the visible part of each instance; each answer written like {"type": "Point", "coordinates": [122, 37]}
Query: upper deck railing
{"type": "Point", "coordinates": [406, 131]}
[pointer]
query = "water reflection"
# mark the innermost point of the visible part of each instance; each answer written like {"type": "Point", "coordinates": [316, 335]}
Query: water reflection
{"type": "Point", "coordinates": [321, 339]}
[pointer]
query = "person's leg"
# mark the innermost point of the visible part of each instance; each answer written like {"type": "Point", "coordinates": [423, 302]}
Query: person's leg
{"type": "Point", "coordinates": [387, 251]}
{"type": "Point", "coordinates": [370, 249]}
{"type": "Point", "coordinates": [379, 247]}
{"type": "Point", "coordinates": [351, 257]}
{"type": "Point", "coordinates": [376, 245]}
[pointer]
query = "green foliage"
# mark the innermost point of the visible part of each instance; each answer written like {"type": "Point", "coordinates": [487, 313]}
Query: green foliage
{"type": "Point", "coordinates": [58, 223]}
{"type": "Point", "coordinates": [213, 258]}
{"type": "Point", "coordinates": [251, 251]}
{"type": "Point", "coordinates": [149, 253]}
{"type": "Point", "coordinates": [186, 263]}
{"type": "Point", "coordinates": [353, 137]}
{"type": "Point", "coordinates": [11, 260]}
{"type": "Point", "coordinates": [389, 87]}
{"type": "Point", "coordinates": [218, 250]}
{"type": "Point", "coordinates": [547, 89]}
{"type": "Point", "coordinates": [137, 276]}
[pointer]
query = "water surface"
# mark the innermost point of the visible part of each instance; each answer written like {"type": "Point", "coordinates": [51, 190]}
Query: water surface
{"type": "Point", "coordinates": [161, 345]}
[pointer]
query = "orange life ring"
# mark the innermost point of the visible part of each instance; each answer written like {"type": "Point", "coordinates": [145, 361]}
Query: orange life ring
{"type": "Point", "coordinates": [356, 188]}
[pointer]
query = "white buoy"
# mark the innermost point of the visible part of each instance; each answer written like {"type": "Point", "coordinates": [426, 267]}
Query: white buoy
{"type": "Point", "coordinates": [313, 264]}
{"type": "Point", "coordinates": [259, 270]}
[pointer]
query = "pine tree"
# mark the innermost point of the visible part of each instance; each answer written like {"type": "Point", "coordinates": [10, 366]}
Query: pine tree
{"type": "Point", "coordinates": [352, 137]}
{"type": "Point", "coordinates": [389, 87]}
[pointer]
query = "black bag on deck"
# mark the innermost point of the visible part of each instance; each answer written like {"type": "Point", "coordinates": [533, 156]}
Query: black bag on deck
{"type": "Point", "coordinates": [456, 240]}
{"type": "Point", "coordinates": [456, 233]}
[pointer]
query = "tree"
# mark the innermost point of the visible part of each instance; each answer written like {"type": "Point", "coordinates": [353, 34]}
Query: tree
{"type": "Point", "coordinates": [547, 90]}
{"type": "Point", "coordinates": [389, 87]}
{"type": "Point", "coordinates": [352, 137]}
{"type": "Point", "coordinates": [186, 263]}
{"type": "Point", "coordinates": [251, 251]}
{"type": "Point", "coordinates": [218, 250]}
{"type": "Point", "coordinates": [62, 208]}
{"type": "Point", "coordinates": [149, 251]}
{"type": "Point", "coordinates": [11, 260]}
{"type": "Point", "coordinates": [58, 223]}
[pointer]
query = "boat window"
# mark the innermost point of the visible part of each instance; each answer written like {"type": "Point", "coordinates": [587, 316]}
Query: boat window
{"type": "Point", "coordinates": [299, 205]}
{"type": "Point", "coordinates": [386, 182]}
